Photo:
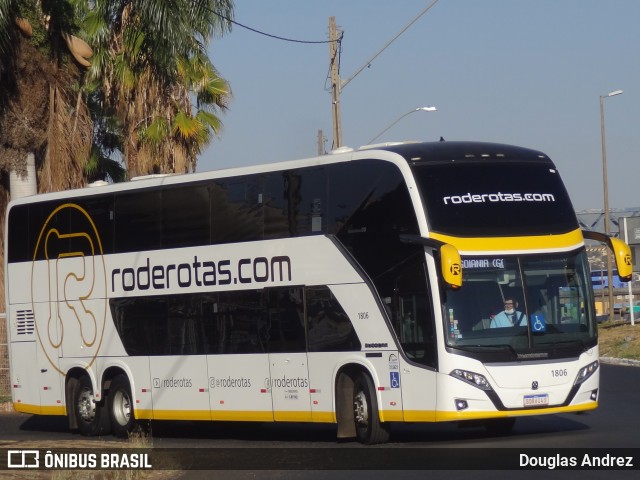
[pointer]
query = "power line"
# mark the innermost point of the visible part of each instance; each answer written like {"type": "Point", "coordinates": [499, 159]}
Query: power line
{"type": "Point", "coordinates": [270, 35]}
{"type": "Point", "coordinates": [368, 62]}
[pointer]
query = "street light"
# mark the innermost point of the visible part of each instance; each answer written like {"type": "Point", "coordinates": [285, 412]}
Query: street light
{"type": "Point", "coordinates": [419, 109]}
{"type": "Point", "coordinates": [607, 230]}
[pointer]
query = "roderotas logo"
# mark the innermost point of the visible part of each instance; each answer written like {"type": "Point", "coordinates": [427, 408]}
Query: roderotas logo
{"type": "Point", "coordinates": [68, 284]}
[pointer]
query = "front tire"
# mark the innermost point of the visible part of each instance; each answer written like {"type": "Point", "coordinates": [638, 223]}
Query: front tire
{"type": "Point", "coordinates": [90, 416]}
{"type": "Point", "coordinates": [121, 407]}
{"type": "Point", "coordinates": [369, 429]}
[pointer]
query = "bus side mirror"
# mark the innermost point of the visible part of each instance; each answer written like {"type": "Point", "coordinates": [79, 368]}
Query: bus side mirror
{"type": "Point", "coordinates": [451, 265]}
{"type": "Point", "coordinates": [450, 261]}
{"type": "Point", "coordinates": [621, 252]}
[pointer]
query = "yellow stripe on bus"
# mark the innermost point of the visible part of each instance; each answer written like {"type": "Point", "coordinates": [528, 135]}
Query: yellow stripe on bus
{"type": "Point", "coordinates": [391, 415]}
{"type": "Point", "coordinates": [329, 417]}
{"type": "Point", "coordinates": [235, 415]}
{"type": "Point", "coordinates": [453, 416]}
{"type": "Point", "coordinates": [315, 417]}
{"type": "Point", "coordinates": [39, 410]}
{"type": "Point", "coordinates": [542, 242]}
{"type": "Point", "coordinates": [323, 417]}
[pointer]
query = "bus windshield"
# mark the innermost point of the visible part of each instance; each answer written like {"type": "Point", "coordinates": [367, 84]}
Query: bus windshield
{"type": "Point", "coordinates": [524, 307]}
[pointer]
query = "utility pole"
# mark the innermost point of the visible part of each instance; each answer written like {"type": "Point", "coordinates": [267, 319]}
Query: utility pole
{"type": "Point", "coordinates": [607, 225]}
{"type": "Point", "coordinates": [320, 143]}
{"type": "Point", "coordinates": [334, 61]}
{"type": "Point", "coordinates": [335, 83]}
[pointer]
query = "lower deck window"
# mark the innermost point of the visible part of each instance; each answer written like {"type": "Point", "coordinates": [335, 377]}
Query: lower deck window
{"type": "Point", "coordinates": [275, 320]}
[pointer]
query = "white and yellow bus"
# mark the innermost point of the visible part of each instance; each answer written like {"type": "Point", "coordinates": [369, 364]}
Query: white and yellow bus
{"type": "Point", "coordinates": [358, 288]}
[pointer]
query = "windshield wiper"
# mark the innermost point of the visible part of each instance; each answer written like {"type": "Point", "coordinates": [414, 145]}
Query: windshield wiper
{"type": "Point", "coordinates": [564, 343]}
{"type": "Point", "coordinates": [489, 348]}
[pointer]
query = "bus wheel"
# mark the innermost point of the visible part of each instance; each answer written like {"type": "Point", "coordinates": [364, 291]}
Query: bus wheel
{"type": "Point", "coordinates": [369, 429]}
{"type": "Point", "coordinates": [91, 418]}
{"type": "Point", "coordinates": [121, 407]}
{"type": "Point", "coordinates": [500, 426]}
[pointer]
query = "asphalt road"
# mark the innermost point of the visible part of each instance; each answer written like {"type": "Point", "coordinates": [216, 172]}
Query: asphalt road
{"type": "Point", "coordinates": [614, 425]}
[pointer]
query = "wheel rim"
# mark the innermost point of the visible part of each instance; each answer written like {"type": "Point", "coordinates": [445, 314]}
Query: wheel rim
{"type": "Point", "coordinates": [86, 405]}
{"type": "Point", "coordinates": [121, 407]}
{"type": "Point", "coordinates": [360, 408]}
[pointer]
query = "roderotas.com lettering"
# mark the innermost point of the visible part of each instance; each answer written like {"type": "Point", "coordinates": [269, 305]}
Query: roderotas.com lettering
{"type": "Point", "coordinates": [498, 197]}
{"type": "Point", "coordinates": [201, 273]}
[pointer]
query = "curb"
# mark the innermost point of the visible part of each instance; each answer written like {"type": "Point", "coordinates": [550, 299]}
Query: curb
{"type": "Point", "coordinates": [620, 361]}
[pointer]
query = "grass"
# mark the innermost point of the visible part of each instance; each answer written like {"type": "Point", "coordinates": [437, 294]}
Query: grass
{"type": "Point", "coordinates": [138, 440]}
{"type": "Point", "coordinates": [619, 340]}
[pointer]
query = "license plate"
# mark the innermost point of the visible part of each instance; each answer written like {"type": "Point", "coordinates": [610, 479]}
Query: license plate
{"type": "Point", "coordinates": [536, 400]}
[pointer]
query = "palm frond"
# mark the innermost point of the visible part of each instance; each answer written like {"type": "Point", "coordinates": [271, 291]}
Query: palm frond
{"type": "Point", "coordinates": [187, 127]}
{"type": "Point", "coordinates": [209, 119]}
{"type": "Point", "coordinates": [100, 167]}
{"type": "Point", "coordinates": [8, 10]}
{"type": "Point", "coordinates": [124, 75]}
{"type": "Point", "coordinates": [157, 131]}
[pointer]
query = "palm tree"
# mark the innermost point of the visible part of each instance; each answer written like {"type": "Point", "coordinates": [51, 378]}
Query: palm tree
{"type": "Point", "coordinates": [42, 115]}
{"type": "Point", "coordinates": [105, 161]}
{"type": "Point", "coordinates": [151, 63]}
{"type": "Point", "coordinates": [150, 83]}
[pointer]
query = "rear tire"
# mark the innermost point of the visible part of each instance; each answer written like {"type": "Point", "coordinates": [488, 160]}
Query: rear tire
{"type": "Point", "coordinates": [91, 418]}
{"type": "Point", "coordinates": [369, 429]}
{"type": "Point", "coordinates": [121, 407]}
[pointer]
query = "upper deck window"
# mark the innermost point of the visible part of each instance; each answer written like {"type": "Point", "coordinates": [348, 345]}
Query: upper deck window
{"type": "Point", "coordinates": [509, 198]}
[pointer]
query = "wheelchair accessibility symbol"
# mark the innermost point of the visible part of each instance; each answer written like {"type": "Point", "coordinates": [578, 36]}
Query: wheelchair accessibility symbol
{"type": "Point", "coordinates": [395, 379]}
{"type": "Point", "coordinates": [538, 324]}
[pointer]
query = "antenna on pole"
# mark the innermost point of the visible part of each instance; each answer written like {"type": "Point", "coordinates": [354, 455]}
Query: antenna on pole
{"type": "Point", "coordinates": [320, 142]}
{"type": "Point", "coordinates": [334, 62]}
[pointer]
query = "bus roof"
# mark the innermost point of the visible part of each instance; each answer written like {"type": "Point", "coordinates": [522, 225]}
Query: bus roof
{"type": "Point", "coordinates": [412, 152]}
{"type": "Point", "coordinates": [447, 151]}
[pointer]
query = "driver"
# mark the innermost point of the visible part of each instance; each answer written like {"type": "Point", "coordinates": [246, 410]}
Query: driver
{"type": "Point", "coordinates": [510, 316]}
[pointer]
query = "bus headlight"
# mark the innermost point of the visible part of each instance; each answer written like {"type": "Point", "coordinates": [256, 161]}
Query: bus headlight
{"type": "Point", "coordinates": [586, 372]}
{"type": "Point", "coordinates": [472, 378]}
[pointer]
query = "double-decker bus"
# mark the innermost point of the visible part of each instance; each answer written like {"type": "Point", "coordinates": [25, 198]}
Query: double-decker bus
{"type": "Point", "coordinates": [357, 288]}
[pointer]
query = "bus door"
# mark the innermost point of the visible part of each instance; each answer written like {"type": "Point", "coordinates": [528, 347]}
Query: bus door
{"type": "Point", "coordinates": [414, 325]}
{"type": "Point", "coordinates": [238, 364]}
{"type": "Point", "coordinates": [289, 375]}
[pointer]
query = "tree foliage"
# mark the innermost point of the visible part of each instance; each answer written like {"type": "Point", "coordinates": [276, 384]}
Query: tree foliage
{"type": "Point", "coordinates": [151, 63]}
{"type": "Point", "coordinates": [149, 83]}
{"type": "Point", "coordinates": [42, 109]}
{"type": "Point", "coordinates": [90, 86]}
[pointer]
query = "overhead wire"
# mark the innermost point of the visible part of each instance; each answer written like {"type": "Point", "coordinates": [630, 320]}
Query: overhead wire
{"type": "Point", "coordinates": [277, 37]}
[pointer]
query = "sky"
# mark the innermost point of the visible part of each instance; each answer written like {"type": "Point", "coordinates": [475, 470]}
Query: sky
{"type": "Point", "coordinates": [522, 72]}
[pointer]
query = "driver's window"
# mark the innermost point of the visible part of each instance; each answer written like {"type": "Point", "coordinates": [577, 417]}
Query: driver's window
{"type": "Point", "coordinates": [413, 316]}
